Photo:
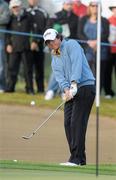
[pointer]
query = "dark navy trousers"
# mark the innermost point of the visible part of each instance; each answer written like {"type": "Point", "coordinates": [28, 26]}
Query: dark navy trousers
{"type": "Point", "coordinates": [76, 115]}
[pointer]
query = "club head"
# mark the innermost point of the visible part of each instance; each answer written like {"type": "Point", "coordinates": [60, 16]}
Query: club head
{"type": "Point", "coordinates": [26, 137]}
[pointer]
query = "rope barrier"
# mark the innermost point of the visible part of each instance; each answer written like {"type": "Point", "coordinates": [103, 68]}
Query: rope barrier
{"type": "Point", "coordinates": [41, 37]}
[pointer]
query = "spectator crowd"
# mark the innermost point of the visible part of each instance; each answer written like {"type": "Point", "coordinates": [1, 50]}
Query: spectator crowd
{"type": "Point", "coordinates": [74, 20]}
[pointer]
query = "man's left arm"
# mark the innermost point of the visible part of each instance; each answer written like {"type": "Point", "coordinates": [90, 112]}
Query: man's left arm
{"type": "Point", "coordinates": [75, 53]}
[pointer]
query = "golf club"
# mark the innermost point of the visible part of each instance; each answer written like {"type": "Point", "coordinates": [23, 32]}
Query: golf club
{"type": "Point", "coordinates": [41, 125]}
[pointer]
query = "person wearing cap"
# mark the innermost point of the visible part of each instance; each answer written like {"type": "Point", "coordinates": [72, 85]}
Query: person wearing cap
{"type": "Point", "coordinates": [111, 63]}
{"type": "Point", "coordinates": [18, 46]}
{"type": "Point", "coordinates": [53, 87]}
{"type": "Point", "coordinates": [88, 31]}
{"type": "Point", "coordinates": [68, 22]}
{"type": "Point", "coordinates": [77, 82]}
{"type": "Point", "coordinates": [79, 8]}
{"type": "Point", "coordinates": [4, 19]}
{"type": "Point", "coordinates": [39, 18]}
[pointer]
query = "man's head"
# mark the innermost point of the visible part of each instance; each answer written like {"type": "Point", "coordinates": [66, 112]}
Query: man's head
{"type": "Point", "coordinates": [92, 7]}
{"type": "Point", "coordinates": [52, 38]}
{"type": "Point", "coordinates": [67, 5]}
{"type": "Point", "coordinates": [15, 6]}
{"type": "Point", "coordinates": [33, 2]}
{"type": "Point", "coordinates": [114, 11]}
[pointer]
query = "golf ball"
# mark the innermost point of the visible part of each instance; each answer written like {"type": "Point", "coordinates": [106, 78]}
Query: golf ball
{"type": "Point", "coordinates": [32, 103]}
{"type": "Point", "coordinates": [15, 160]}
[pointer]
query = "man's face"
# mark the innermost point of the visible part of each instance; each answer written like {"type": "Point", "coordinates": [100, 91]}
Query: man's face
{"type": "Point", "coordinates": [33, 2]}
{"type": "Point", "coordinates": [16, 10]}
{"type": "Point", "coordinates": [114, 11]}
{"type": "Point", "coordinates": [55, 44]}
{"type": "Point", "coordinates": [93, 8]}
{"type": "Point", "coordinates": [67, 6]}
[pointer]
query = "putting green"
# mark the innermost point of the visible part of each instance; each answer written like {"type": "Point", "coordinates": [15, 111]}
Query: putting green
{"type": "Point", "coordinates": [20, 170]}
{"type": "Point", "coordinates": [48, 175]}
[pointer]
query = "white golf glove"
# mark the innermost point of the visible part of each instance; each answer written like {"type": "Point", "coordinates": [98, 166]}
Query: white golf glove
{"type": "Point", "coordinates": [73, 89]}
{"type": "Point", "coordinates": [70, 93]}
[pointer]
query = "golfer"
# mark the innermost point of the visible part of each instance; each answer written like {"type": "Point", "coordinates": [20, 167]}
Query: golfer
{"type": "Point", "coordinates": [77, 82]}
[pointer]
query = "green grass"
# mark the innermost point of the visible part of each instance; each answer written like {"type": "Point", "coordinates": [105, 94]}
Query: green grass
{"type": "Point", "coordinates": [10, 170]}
{"type": "Point", "coordinates": [49, 175]}
{"type": "Point", "coordinates": [107, 107]}
{"type": "Point", "coordinates": [24, 99]}
{"type": "Point", "coordinates": [89, 169]}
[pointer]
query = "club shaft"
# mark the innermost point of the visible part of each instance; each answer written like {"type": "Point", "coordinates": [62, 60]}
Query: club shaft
{"type": "Point", "coordinates": [48, 118]}
{"type": "Point", "coordinates": [33, 133]}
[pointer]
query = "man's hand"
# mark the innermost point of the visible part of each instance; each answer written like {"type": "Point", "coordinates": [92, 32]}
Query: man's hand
{"type": "Point", "coordinates": [34, 46]}
{"type": "Point", "coordinates": [9, 49]}
{"type": "Point", "coordinates": [70, 93]}
{"type": "Point", "coordinates": [67, 95]}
